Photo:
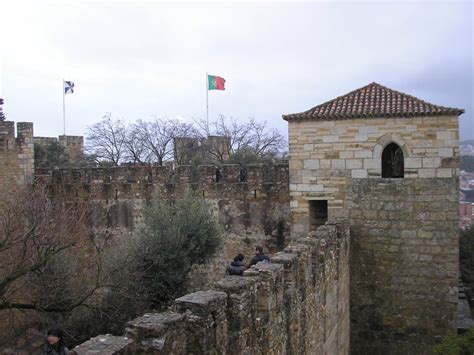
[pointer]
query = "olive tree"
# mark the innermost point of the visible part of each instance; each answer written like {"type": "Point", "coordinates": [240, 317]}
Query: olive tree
{"type": "Point", "coordinates": [176, 235]}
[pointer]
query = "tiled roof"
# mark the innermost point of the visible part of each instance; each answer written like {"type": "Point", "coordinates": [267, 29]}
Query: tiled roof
{"type": "Point", "coordinates": [372, 101]}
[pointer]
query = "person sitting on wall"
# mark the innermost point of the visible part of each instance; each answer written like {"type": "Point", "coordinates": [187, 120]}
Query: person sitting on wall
{"type": "Point", "coordinates": [236, 267]}
{"type": "Point", "coordinates": [55, 343]}
{"type": "Point", "coordinates": [259, 256]}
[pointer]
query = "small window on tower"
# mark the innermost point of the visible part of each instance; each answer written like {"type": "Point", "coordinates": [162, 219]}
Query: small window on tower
{"type": "Point", "coordinates": [318, 213]}
{"type": "Point", "coordinates": [392, 161]}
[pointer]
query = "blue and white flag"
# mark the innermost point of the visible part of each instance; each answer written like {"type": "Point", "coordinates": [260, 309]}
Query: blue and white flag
{"type": "Point", "coordinates": [68, 87]}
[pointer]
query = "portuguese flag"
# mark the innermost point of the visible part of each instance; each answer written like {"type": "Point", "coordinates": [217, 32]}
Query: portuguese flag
{"type": "Point", "coordinates": [215, 82]}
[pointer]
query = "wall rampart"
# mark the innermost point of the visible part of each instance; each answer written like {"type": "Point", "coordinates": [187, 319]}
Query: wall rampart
{"type": "Point", "coordinates": [297, 304]}
{"type": "Point", "coordinates": [404, 264]}
{"type": "Point", "coordinates": [73, 146]}
{"type": "Point", "coordinates": [326, 155]}
{"type": "Point", "coordinates": [206, 175]}
{"type": "Point", "coordinates": [16, 154]}
{"type": "Point", "coordinates": [133, 185]}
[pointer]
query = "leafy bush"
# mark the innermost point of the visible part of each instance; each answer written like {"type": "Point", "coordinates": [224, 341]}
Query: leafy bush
{"type": "Point", "coordinates": [176, 236]}
{"type": "Point", "coordinates": [456, 344]}
{"type": "Point", "coordinates": [152, 268]}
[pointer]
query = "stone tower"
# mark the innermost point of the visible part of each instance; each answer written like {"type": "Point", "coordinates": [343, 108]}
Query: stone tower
{"type": "Point", "coordinates": [16, 154]}
{"type": "Point", "coordinates": [74, 146]}
{"type": "Point", "coordinates": [386, 163]}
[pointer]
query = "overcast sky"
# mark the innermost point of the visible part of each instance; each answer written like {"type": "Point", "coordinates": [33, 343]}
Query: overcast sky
{"type": "Point", "coordinates": [138, 60]}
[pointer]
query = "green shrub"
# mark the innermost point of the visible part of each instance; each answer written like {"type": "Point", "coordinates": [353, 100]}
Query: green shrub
{"type": "Point", "coordinates": [462, 344]}
{"type": "Point", "coordinates": [176, 236]}
{"type": "Point", "coordinates": [152, 268]}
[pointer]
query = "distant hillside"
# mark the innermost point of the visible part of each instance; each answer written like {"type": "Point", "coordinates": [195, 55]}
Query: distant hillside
{"type": "Point", "coordinates": [468, 141]}
{"type": "Point", "coordinates": [467, 164]}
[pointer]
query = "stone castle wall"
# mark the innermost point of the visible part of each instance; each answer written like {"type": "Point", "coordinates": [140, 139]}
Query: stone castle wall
{"type": "Point", "coordinates": [404, 260]}
{"type": "Point", "coordinates": [16, 154]}
{"type": "Point", "coordinates": [297, 304]}
{"type": "Point", "coordinates": [121, 192]}
{"type": "Point", "coordinates": [73, 145]}
{"type": "Point", "coordinates": [326, 155]}
{"type": "Point", "coordinates": [404, 264]}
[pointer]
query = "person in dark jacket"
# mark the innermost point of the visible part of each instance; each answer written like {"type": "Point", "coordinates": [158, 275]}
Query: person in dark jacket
{"type": "Point", "coordinates": [259, 256]}
{"type": "Point", "coordinates": [55, 343]}
{"type": "Point", "coordinates": [236, 267]}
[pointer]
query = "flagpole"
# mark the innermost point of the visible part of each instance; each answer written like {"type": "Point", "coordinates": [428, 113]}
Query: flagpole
{"type": "Point", "coordinates": [207, 102]}
{"type": "Point", "coordinates": [64, 111]}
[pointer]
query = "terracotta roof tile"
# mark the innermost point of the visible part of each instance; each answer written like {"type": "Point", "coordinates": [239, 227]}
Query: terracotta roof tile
{"type": "Point", "coordinates": [372, 101]}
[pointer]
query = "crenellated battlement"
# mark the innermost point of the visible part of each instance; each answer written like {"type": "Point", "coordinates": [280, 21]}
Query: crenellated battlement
{"type": "Point", "coordinates": [73, 145]}
{"type": "Point", "coordinates": [141, 181]}
{"type": "Point", "coordinates": [23, 138]}
{"type": "Point", "coordinates": [16, 153]}
{"type": "Point", "coordinates": [297, 304]}
{"type": "Point", "coordinates": [7, 128]}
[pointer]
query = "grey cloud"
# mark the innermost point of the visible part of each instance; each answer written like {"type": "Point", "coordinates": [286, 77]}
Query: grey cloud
{"type": "Point", "coordinates": [143, 59]}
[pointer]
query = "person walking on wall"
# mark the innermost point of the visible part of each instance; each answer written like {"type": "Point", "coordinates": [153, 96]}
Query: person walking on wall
{"type": "Point", "coordinates": [259, 256]}
{"type": "Point", "coordinates": [55, 343]}
{"type": "Point", "coordinates": [236, 267]}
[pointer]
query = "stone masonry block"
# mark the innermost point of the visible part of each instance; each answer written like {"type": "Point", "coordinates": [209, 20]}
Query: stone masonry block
{"type": "Point", "coordinates": [153, 325]}
{"type": "Point", "coordinates": [445, 152]}
{"type": "Point", "coordinates": [311, 164]}
{"type": "Point", "coordinates": [431, 162]}
{"type": "Point", "coordinates": [338, 163]}
{"type": "Point", "coordinates": [427, 173]}
{"type": "Point", "coordinates": [105, 345]}
{"type": "Point", "coordinates": [206, 322]}
{"type": "Point", "coordinates": [372, 164]}
{"type": "Point", "coordinates": [444, 173]}
{"type": "Point", "coordinates": [444, 135]}
{"type": "Point", "coordinates": [359, 173]}
{"type": "Point", "coordinates": [345, 154]}
{"type": "Point", "coordinates": [354, 163]}
{"type": "Point", "coordinates": [368, 129]}
{"type": "Point", "coordinates": [330, 138]}
{"type": "Point", "coordinates": [201, 301]}
{"type": "Point", "coordinates": [414, 163]}
{"type": "Point", "coordinates": [363, 154]}
{"type": "Point", "coordinates": [325, 163]}
{"type": "Point", "coordinates": [361, 138]}
{"type": "Point", "coordinates": [235, 284]}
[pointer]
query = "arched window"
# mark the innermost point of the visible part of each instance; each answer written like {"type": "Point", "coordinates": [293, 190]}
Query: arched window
{"type": "Point", "coordinates": [392, 161]}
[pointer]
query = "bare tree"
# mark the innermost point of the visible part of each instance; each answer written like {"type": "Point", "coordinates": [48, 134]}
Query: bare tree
{"type": "Point", "coordinates": [106, 140]}
{"type": "Point", "coordinates": [35, 234]}
{"type": "Point", "coordinates": [263, 140]}
{"type": "Point", "coordinates": [158, 135]}
{"type": "Point", "coordinates": [136, 149]}
{"type": "Point", "coordinates": [249, 136]}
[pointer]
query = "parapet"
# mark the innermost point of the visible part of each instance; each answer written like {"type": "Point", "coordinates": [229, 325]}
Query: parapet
{"type": "Point", "coordinates": [7, 129]}
{"type": "Point", "coordinates": [24, 132]}
{"type": "Point", "coordinates": [16, 154]}
{"type": "Point", "coordinates": [141, 180]}
{"type": "Point", "coordinates": [71, 140]}
{"type": "Point", "coordinates": [45, 140]}
{"type": "Point", "coordinates": [295, 305]}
